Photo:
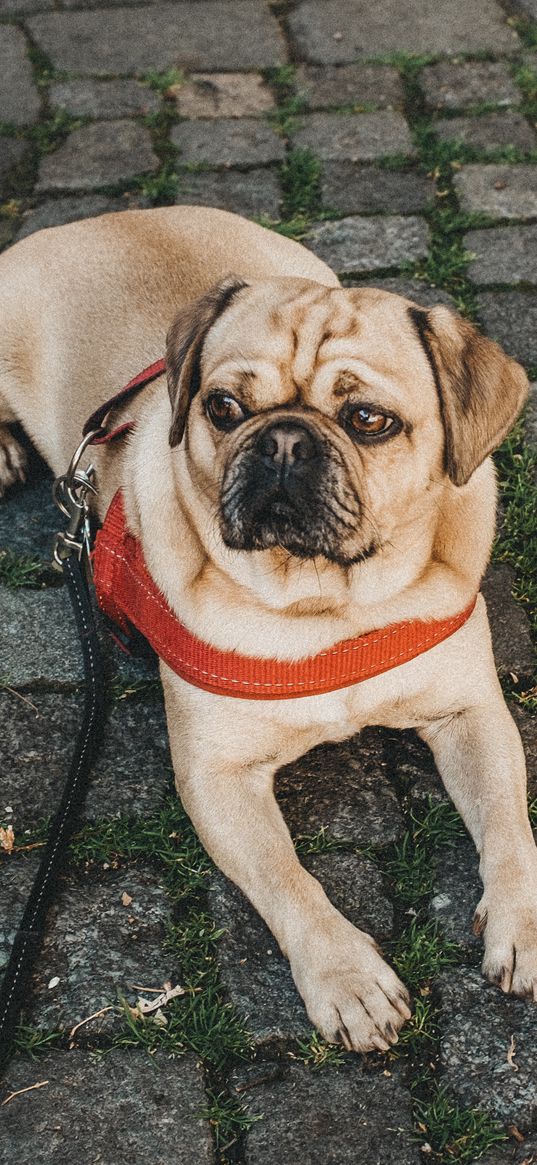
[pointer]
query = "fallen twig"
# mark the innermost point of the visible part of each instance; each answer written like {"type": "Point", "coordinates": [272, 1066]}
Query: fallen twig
{"type": "Point", "coordinates": [95, 1015]}
{"type": "Point", "coordinates": [30, 1088]}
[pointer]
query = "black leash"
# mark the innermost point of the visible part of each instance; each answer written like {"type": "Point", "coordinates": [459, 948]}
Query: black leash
{"type": "Point", "coordinates": [71, 554]}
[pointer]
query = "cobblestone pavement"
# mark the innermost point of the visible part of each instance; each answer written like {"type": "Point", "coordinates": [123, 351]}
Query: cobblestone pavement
{"type": "Point", "coordinates": [398, 140]}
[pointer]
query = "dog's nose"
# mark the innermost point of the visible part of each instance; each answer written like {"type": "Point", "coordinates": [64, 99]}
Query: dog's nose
{"type": "Point", "coordinates": [285, 443]}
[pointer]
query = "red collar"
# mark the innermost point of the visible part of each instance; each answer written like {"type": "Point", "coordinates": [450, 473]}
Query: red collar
{"type": "Point", "coordinates": [127, 593]}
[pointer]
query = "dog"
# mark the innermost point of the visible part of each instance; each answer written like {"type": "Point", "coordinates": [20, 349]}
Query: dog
{"type": "Point", "coordinates": [317, 467]}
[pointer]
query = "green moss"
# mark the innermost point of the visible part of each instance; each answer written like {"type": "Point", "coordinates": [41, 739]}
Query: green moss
{"type": "Point", "coordinates": [48, 134]}
{"type": "Point", "coordinates": [163, 81]}
{"type": "Point", "coordinates": [160, 188]}
{"type": "Point", "coordinates": [301, 184]}
{"type": "Point", "coordinates": [526, 29]}
{"type": "Point", "coordinates": [526, 79]}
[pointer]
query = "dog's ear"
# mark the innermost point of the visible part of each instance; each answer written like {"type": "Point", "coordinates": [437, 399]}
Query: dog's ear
{"type": "Point", "coordinates": [184, 346]}
{"type": "Point", "coordinates": [480, 390]}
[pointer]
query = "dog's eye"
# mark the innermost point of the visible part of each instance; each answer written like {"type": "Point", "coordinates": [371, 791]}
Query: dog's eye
{"type": "Point", "coordinates": [364, 421]}
{"type": "Point", "coordinates": [224, 411]}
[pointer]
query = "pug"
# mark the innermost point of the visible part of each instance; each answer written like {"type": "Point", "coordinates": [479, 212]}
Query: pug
{"type": "Point", "coordinates": [315, 466]}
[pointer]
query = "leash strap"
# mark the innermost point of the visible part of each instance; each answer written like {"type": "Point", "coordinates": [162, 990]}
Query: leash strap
{"type": "Point", "coordinates": [29, 937]}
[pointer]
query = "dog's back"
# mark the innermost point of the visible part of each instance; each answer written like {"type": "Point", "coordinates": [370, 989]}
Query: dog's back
{"type": "Point", "coordinates": [111, 286]}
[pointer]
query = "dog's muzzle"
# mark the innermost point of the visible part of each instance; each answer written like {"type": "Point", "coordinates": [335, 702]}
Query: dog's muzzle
{"type": "Point", "coordinates": [281, 489]}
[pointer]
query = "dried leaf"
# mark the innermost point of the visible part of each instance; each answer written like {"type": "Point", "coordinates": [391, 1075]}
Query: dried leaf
{"type": "Point", "coordinates": [147, 1006]}
{"type": "Point", "coordinates": [160, 1019]}
{"type": "Point", "coordinates": [511, 1054]}
{"type": "Point", "coordinates": [7, 838]}
{"type": "Point", "coordinates": [516, 1134]}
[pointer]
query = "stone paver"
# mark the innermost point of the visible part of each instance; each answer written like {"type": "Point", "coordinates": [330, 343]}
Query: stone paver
{"type": "Point", "coordinates": [55, 212]}
{"type": "Point", "coordinates": [21, 7]}
{"type": "Point", "coordinates": [101, 154]}
{"type": "Point", "coordinates": [490, 131]}
{"type": "Point", "coordinates": [12, 151]}
{"type": "Point", "coordinates": [457, 891]}
{"type": "Point", "coordinates": [228, 141]}
{"type": "Point", "coordinates": [355, 85]}
{"type": "Point", "coordinates": [459, 84]}
{"type": "Point", "coordinates": [478, 1024]}
{"type": "Point", "coordinates": [511, 636]}
{"type": "Point", "coordinates": [358, 137]}
{"type": "Point", "coordinates": [19, 98]}
{"type": "Point", "coordinates": [528, 7]}
{"type": "Point", "coordinates": [369, 244]}
{"type": "Point", "coordinates": [202, 34]}
{"type": "Point", "coordinates": [353, 189]}
{"type": "Point", "coordinates": [223, 95]}
{"type": "Point", "coordinates": [29, 519]}
{"type": "Point", "coordinates": [413, 289]}
{"type": "Point", "coordinates": [121, 782]}
{"type": "Point", "coordinates": [38, 639]}
{"type": "Point", "coordinates": [503, 255]}
{"type": "Point", "coordinates": [252, 193]}
{"type": "Point", "coordinates": [104, 99]}
{"type": "Point", "coordinates": [110, 1110]}
{"type": "Point", "coordinates": [337, 1116]}
{"type": "Point", "coordinates": [344, 790]}
{"type": "Point", "coordinates": [511, 318]}
{"type": "Point", "coordinates": [255, 975]}
{"type": "Point", "coordinates": [501, 191]}
{"type": "Point", "coordinates": [337, 31]}
{"type": "Point", "coordinates": [100, 949]}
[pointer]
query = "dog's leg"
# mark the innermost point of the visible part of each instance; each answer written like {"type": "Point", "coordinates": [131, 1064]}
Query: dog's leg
{"type": "Point", "coordinates": [479, 754]}
{"type": "Point", "coordinates": [12, 455]}
{"type": "Point", "coordinates": [12, 460]}
{"type": "Point", "coordinates": [350, 993]}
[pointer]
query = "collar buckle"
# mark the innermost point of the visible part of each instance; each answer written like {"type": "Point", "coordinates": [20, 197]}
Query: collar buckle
{"type": "Point", "coordinates": [70, 492]}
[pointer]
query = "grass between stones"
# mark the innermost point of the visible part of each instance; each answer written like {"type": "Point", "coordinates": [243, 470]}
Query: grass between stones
{"type": "Point", "coordinates": [516, 463]}
{"type": "Point", "coordinates": [202, 1020]}
{"type": "Point", "coordinates": [21, 570]}
{"type": "Point", "coordinates": [443, 1127]}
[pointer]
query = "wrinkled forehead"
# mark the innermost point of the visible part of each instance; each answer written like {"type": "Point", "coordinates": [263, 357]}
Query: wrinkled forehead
{"type": "Point", "coordinates": [298, 336]}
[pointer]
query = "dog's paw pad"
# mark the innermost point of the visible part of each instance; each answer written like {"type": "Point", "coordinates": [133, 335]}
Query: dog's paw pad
{"type": "Point", "coordinates": [510, 960]}
{"type": "Point", "coordinates": [12, 460]}
{"type": "Point", "coordinates": [360, 1003]}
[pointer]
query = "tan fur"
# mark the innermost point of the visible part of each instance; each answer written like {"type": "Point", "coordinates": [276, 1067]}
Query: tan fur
{"type": "Point", "coordinates": [83, 308]}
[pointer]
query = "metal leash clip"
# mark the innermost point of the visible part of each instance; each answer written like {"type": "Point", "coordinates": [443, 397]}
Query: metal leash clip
{"type": "Point", "coordinates": [70, 492]}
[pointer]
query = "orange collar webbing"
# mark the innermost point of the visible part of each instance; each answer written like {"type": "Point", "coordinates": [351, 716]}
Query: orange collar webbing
{"type": "Point", "coordinates": [128, 595]}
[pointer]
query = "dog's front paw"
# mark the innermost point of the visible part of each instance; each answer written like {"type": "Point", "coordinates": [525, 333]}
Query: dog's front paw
{"type": "Point", "coordinates": [12, 460]}
{"type": "Point", "coordinates": [350, 993]}
{"type": "Point", "coordinates": [510, 933]}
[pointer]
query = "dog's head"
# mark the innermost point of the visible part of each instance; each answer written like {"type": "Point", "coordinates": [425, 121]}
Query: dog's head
{"type": "Point", "coordinates": [318, 419]}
